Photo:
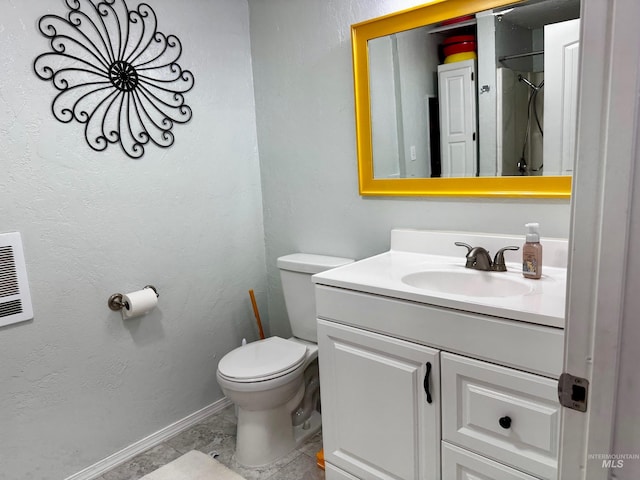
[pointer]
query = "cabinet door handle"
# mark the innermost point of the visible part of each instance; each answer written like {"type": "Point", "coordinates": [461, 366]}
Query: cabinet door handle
{"type": "Point", "coordinates": [505, 422]}
{"type": "Point", "coordinates": [426, 383]}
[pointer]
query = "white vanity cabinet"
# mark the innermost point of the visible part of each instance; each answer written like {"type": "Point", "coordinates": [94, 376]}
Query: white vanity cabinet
{"type": "Point", "coordinates": [380, 405]}
{"type": "Point", "coordinates": [493, 412]}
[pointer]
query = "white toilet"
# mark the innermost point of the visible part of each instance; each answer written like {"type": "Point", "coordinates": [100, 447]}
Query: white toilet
{"type": "Point", "coordinates": [274, 382]}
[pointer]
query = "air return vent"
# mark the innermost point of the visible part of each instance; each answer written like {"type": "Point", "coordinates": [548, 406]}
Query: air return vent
{"type": "Point", "coordinates": [15, 299]}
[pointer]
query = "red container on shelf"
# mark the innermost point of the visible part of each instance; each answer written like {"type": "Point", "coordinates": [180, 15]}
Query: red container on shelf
{"type": "Point", "coordinates": [458, 39]}
{"type": "Point", "coordinates": [459, 47]}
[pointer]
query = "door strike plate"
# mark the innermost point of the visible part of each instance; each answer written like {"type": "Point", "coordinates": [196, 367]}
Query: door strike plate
{"type": "Point", "coordinates": [573, 392]}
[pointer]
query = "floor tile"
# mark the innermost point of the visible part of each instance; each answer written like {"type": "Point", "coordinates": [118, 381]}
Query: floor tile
{"type": "Point", "coordinates": [228, 412]}
{"type": "Point", "coordinates": [313, 445]}
{"type": "Point", "coordinates": [144, 463]}
{"type": "Point", "coordinates": [217, 435]}
{"type": "Point", "coordinates": [202, 434]}
{"type": "Point", "coordinates": [259, 473]}
{"type": "Point", "coordinates": [302, 468]}
{"type": "Point", "coordinates": [222, 447]}
{"type": "Point", "coordinates": [223, 422]}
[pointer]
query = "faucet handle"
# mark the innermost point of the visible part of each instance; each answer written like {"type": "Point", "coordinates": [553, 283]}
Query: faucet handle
{"type": "Point", "coordinates": [477, 257]}
{"type": "Point", "coordinates": [462, 244]}
{"type": "Point", "coordinates": [498, 261]}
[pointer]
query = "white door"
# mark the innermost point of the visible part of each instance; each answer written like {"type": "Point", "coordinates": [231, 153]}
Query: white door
{"type": "Point", "coordinates": [602, 324]}
{"type": "Point", "coordinates": [457, 92]}
{"type": "Point", "coordinates": [381, 405]}
{"type": "Point", "coordinates": [561, 54]}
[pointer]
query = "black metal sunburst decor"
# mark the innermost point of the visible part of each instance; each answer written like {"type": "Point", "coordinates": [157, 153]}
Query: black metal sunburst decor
{"type": "Point", "coordinates": [115, 73]}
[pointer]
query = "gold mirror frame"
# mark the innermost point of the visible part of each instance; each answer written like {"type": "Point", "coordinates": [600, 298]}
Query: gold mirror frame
{"type": "Point", "coordinates": [437, 11]}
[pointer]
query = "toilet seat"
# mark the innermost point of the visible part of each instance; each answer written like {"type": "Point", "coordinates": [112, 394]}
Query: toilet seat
{"type": "Point", "coordinates": [263, 360]}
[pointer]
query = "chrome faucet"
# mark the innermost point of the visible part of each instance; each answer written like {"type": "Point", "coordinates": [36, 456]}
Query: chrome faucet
{"type": "Point", "coordinates": [479, 259]}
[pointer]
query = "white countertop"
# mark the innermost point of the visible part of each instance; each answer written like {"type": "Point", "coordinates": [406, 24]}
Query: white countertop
{"type": "Point", "coordinates": [382, 275]}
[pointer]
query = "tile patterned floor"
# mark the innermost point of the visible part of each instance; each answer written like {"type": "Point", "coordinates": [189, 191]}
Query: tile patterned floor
{"type": "Point", "coordinates": [218, 433]}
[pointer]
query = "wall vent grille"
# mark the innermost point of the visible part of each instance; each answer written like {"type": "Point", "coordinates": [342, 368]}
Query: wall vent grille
{"type": "Point", "coordinates": [12, 307]}
{"type": "Point", "coordinates": [15, 298]}
{"type": "Point", "coordinates": [8, 275]}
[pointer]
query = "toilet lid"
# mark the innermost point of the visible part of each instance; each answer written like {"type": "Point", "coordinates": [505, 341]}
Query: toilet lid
{"type": "Point", "coordinates": [262, 360]}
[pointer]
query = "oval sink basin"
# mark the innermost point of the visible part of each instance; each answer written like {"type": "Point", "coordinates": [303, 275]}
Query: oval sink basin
{"type": "Point", "coordinates": [471, 283]}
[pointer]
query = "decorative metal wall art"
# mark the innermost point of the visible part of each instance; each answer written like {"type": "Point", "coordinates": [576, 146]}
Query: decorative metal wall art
{"type": "Point", "coordinates": [115, 73]}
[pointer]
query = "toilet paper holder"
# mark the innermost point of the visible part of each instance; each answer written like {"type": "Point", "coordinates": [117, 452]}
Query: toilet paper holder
{"type": "Point", "coordinates": [116, 303]}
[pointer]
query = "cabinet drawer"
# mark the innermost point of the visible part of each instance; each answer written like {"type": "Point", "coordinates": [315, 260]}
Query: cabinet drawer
{"type": "Point", "coordinates": [508, 415]}
{"type": "Point", "coordinates": [460, 464]}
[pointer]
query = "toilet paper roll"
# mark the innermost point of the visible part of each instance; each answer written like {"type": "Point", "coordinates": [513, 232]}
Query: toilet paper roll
{"type": "Point", "coordinates": [139, 303]}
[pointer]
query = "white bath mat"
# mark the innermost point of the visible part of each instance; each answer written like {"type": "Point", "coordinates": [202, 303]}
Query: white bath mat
{"type": "Point", "coordinates": [193, 465]}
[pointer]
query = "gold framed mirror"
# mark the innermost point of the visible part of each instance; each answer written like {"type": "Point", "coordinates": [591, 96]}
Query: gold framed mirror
{"type": "Point", "coordinates": [533, 183]}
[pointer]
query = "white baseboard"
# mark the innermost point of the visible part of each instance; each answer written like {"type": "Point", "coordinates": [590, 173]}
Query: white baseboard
{"type": "Point", "coordinates": [127, 453]}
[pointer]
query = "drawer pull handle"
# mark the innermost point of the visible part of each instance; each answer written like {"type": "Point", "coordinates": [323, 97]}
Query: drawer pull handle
{"type": "Point", "coordinates": [426, 383]}
{"type": "Point", "coordinates": [505, 422]}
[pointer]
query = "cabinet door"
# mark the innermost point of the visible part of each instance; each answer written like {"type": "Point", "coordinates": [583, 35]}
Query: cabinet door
{"type": "Point", "coordinates": [377, 420]}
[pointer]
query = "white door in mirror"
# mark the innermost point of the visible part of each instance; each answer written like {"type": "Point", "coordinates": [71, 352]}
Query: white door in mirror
{"type": "Point", "coordinates": [456, 83]}
{"type": "Point", "coordinates": [561, 53]}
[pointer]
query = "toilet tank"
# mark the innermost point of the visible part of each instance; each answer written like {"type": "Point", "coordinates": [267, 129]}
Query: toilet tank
{"type": "Point", "coordinates": [299, 294]}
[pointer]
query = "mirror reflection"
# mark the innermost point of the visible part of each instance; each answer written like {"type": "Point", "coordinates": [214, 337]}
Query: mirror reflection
{"type": "Point", "coordinates": [490, 94]}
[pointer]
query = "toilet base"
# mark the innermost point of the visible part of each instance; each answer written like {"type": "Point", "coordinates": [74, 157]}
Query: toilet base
{"type": "Point", "coordinates": [301, 433]}
{"type": "Point", "coordinates": [264, 436]}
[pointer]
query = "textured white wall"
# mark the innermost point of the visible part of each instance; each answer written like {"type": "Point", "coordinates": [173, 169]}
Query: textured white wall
{"type": "Point", "coordinates": [302, 69]}
{"type": "Point", "coordinates": [78, 384]}
{"type": "Point", "coordinates": [417, 56]}
{"type": "Point", "coordinates": [384, 108]}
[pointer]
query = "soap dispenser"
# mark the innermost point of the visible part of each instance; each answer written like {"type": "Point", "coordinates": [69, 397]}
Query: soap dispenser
{"type": "Point", "coordinates": [532, 252]}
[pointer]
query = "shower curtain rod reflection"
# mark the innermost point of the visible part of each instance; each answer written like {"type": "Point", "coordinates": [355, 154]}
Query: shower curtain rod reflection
{"type": "Point", "coordinates": [520, 55]}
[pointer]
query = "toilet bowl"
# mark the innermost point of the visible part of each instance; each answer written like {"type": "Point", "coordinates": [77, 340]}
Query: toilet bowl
{"type": "Point", "coordinates": [267, 395]}
{"type": "Point", "coordinates": [274, 383]}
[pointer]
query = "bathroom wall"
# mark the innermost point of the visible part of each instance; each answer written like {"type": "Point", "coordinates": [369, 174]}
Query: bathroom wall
{"type": "Point", "coordinates": [385, 108]}
{"type": "Point", "coordinates": [302, 69]}
{"type": "Point", "coordinates": [489, 151]}
{"type": "Point", "coordinates": [77, 383]}
{"type": "Point", "coordinates": [403, 77]}
{"type": "Point", "coordinates": [417, 72]}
